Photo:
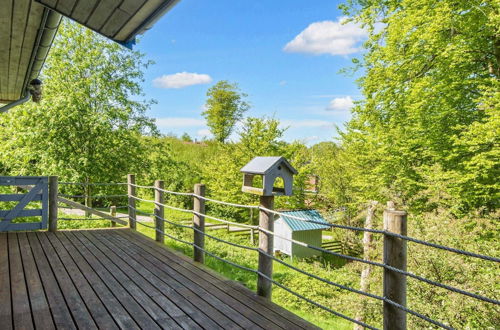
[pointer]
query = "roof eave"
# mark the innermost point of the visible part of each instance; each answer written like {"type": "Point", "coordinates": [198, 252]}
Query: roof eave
{"type": "Point", "coordinates": [45, 37]}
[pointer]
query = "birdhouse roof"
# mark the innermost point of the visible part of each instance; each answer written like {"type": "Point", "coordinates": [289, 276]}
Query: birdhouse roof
{"type": "Point", "coordinates": [262, 165]}
{"type": "Point", "coordinates": [300, 225]}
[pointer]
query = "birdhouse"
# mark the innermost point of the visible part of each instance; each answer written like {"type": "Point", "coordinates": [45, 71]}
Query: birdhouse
{"type": "Point", "coordinates": [270, 169]}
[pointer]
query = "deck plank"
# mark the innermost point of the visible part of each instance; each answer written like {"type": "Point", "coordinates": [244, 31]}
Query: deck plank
{"type": "Point", "coordinates": [5, 308]}
{"type": "Point", "coordinates": [175, 313]}
{"type": "Point", "coordinates": [134, 309]}
{"type": "Point", "coordinates": [117, 311]}
{"type": "Point", "coordinates": [39, 304]}
{"type": "Point", "coordinates": [148, 258]}
{"type": "Point", "coordinates": [76, 305]}
{"type": "Point", "coordinates": [161, 318]}
{"type": "Point", "coordinates": [183, 302]}
{"type": "Point", "coordinates": [96, 308]}
{"type": "Point", "coordinates": [170, 286]}
{"type": "Point", "coordinates": [21, 311]}
{"type": "Point", "coordinates": [60, 312]}
{"type": "Point", "coordinates": [278, 314]}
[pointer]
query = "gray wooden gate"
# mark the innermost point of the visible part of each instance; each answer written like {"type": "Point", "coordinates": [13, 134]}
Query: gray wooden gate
{"type": "Point", "coordinates": [37, 188]}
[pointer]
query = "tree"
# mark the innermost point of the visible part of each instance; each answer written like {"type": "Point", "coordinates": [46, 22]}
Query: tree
{"type": "Point", "coordinates": [186, 138]}
{"type": "Point", "coordinates": [258, 137]}
{"type": "Point", "coordinates": [431, 86]}
{"type": "Point", "coordinates": [224, 108]}
{"type": "Point", "coordinates": [88, 126]}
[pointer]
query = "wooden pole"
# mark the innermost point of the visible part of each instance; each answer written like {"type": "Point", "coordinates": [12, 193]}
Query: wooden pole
{"type": "Point", "coordinates": [264, 286]}
{"type": "Point", "coordinates": [395, 256]}
{"type": "Point", "coordinates": [88, 198]}
{"type": "Point", "coordinates": [131, 201]}
{"type": "Point", "coordinates": [199, 223]}
{"type": "Point", "coordinates": [53, 192]}
{"type": "Point", "coordinates": [365, 273]}
{"type": "Point", "coordinates": [112, 212]}
{"type": "Point", "coordinates": [159, 211]}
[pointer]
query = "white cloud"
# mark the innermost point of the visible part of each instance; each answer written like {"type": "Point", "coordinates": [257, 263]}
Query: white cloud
{"type": "Point", "coordinates": [169, 122]}
{"type": "Point", "coordinates": [204, 133]}
{"type": "Point", "coordinates": [283, 82]}
{"type": "Point", "coordinates": [341, 104]}
{"type": "Point", "coordinates": [294, 123]}
{"type": "Point", "coordinates": [328, 37]}
{"type": "Point", "coordinates": [181, 80]}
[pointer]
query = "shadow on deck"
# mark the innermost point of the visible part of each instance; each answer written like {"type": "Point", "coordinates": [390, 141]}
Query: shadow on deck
{"type": "Point", "coordinates": [116, 278]}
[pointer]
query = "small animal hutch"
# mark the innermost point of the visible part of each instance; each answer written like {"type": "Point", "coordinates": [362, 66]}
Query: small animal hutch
{"type": "Point", "coordinates": [270, 168]}
{"type": "Point", "coordinates": [307, 232]}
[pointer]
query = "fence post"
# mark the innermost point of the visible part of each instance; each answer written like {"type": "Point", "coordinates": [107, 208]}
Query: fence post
{"type": "Point", "coordinates": [264, 286]}
{"type": "Point", "coordinates": [88, 198]}
{"type": "Point", "coordinates": [395, 256]}
{"type": "Point", "coordinates": [112, 212]}
{"type": "Point", "coordinates": [159, 211]}
{"type": "Point", "coordinates": [199, 223]}
{"type": "Point", "coordinates": [131, 201]}
{"type": "Point", "coordinates": [53, 192]}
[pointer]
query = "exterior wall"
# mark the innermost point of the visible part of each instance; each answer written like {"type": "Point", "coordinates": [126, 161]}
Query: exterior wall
{"type": "Point", "coordinates": [282, 229]}
{"type": "Point", "coordinates": [311, 237]}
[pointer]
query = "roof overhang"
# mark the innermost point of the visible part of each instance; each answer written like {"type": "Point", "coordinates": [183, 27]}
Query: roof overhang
{"type": "Point", "coordinates": [28, 28]}
{"type": "Point", "coordinates": [118, 20]}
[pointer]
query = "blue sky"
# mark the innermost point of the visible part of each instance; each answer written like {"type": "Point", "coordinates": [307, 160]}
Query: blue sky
{"type": "Point", "coordinates": [286, 55]}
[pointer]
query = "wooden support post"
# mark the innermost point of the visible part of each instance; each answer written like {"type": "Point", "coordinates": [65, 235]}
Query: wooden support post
{"type": "Point", "coordinates": [88, 198]}
{"type": "Point", "coordinates": [53, 192]}
{"type": "Point", "coordinates": [395, 256]}
{"type": "Point", "coordinates": [131, 201]}
{"type": "Point", "coordinates": [199, 223]}
{"type": "Point", "coordinates": [264, 286]}
{"type": "Point", "coordinates": [112, 212]}
{"type": "Point", "coordinates": [365, 273]}
{"type": "Point", "coordinates": [159, 211]}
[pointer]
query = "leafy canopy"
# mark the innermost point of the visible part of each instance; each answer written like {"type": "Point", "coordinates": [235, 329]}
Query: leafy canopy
{"type": "Point", "coordinates": [431, 102]}
{"type": "Point", "coordinates": [224, 108]}
{"type": "Point", "coordinates": [89, 123]}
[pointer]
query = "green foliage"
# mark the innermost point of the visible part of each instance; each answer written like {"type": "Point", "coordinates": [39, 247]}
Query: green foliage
{"type": "Point", "coordinates": [430, 99]}
{"type": "Point", "coordinates": [186, 138]}
{"type": "Point", "coordinates": [89, 125]}
{"type": "Point", "coordinates": [258, 137]}
{"type": "Point", "coordinates": [224, 108]}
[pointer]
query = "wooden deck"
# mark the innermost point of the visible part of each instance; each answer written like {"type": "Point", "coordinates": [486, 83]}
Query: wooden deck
{"type": "Point", "coordinates": [116, 278]}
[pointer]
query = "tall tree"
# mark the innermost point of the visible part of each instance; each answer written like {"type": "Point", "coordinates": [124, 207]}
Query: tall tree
{"type": "Point", "coordinates": [224, 108]}
{"type": "Point", "coordinates": [89, 123]}
{"type": "Point", "coordinates": [431, 86]}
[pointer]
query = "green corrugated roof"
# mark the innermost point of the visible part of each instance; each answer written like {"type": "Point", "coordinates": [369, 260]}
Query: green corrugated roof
{"type": "Point", "coordinates": [299, 225]}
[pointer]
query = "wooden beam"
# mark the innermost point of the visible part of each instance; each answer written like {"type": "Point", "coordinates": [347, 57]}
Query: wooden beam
{"type": "Point", "coordinates": [91, 211]}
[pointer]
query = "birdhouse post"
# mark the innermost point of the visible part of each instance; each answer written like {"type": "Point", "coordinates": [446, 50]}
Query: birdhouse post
{"type": "Point", "coordinates": [270, 169]}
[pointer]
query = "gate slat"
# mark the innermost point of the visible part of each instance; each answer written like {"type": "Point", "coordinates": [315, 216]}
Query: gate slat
{"type": "Point", "coordinates": [23, 202]}
{"type": "Point", "coordinates": [23, 213]}
{"type": "Point", "coordinates": [18, 197]}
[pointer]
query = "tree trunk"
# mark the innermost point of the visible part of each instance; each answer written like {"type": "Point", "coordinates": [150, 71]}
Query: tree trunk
{"type": "Point", "coordinates": [365, 273]}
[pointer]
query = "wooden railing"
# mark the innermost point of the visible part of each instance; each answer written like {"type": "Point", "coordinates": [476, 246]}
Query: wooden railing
{"type": "Point", "coordinates": [395, 240]}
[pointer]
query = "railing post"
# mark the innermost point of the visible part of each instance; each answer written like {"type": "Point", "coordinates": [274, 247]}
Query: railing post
{"type": "Point", "coordinates": [88, 198]}
{"type": "Point", "coordinates": [159, 211]}
{"type": "Point", "coordinates": [131, 201]}
{"type": "Point", "coordinates": [199, 223]}
{"type": "Point", "coordinates": [53, 192]}
{"type": "Point", "coordinates": [395, 256]}
{"type": "Point", "coordinates": [112, 212]}
{"type": "Point", "coordinates": [264, 285]}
